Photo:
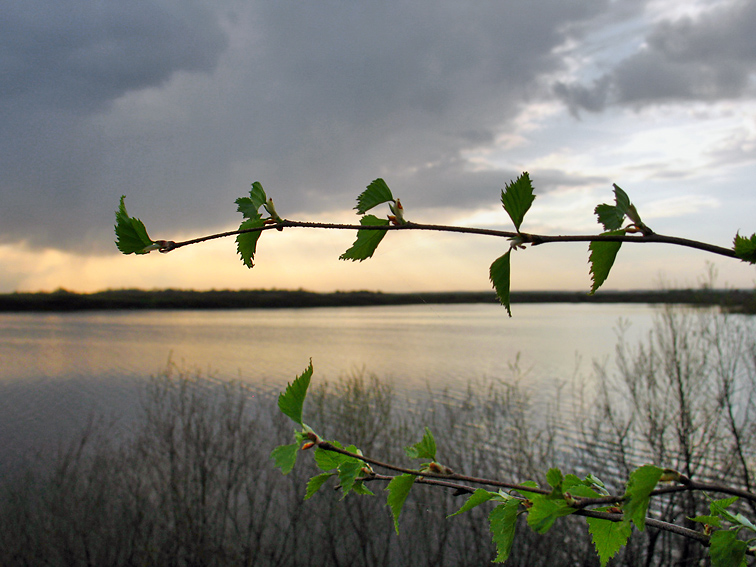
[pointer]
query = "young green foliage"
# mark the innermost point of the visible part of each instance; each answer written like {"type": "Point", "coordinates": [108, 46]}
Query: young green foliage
{"type": "Point", "coordinates": [602, 259]}
{"type": "Point", "coordinates": [367, 240]}
{"type": "Point", "coordinates": [502, 522]}
{"type": "Point", "coordinates": [290, 401]}
{"type": "Point", "coordinates": [375, 194]}
{"type": "Point", "coordinates": [499, 274]}
{"type": "Point", "coordinates": [638, 492]}
{"type": "Point", "coordinates": [608, 537]}
{"type": "Point", "coordinates": [314, 484]}
{"type": "Point", "coordinates": [477, 498]}
{"type": "Point", "coordinates": [611, 217]}
{"type": "Point", "coordinates": [745, 248]}
{"type": "Point", "coordinates": [246, 242]}
{"type": "Point", "coordinates": [285, 457]}
{"type": "Point", "coordinates": [517, 197]}
{"type": "Point", "coordinates": [423, 449]}
{"type": "Point", "coordinates": [726, 550]}
{"type": "Point", "coordinates": [131, 235]}
{"type": "Point", "coordinates": [249, 207]}
{"type": "Point", "coordinates": [398, 490]}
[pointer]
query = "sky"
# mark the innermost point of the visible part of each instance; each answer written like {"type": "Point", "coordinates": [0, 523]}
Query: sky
{"type": "Point", "coordinates": [181, 104]}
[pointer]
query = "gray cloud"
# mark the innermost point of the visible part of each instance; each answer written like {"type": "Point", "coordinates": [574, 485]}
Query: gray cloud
{"type": "Point", "coordinates": [313, 99]}
{"type": "Point", "coordinates": [81, 55]}
{"type": "Point", "coordinates": [712, 57]}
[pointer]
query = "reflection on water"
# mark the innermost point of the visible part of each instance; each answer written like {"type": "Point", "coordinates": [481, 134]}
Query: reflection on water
{"type": "Point", "coordinates": [57, 369]}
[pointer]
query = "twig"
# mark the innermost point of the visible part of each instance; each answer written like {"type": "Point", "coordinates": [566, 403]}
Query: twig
{"type": "Point", "coordinates": [534, 239]}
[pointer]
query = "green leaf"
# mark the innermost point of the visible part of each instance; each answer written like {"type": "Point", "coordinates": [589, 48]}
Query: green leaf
{"type": "Point", "coordinates": [398, 489]}
{"type": "Point", "coordinates": [315, 483]}
{"type": "Point", "coordinates": [499, 276]}
{"type": "Point", "coordinates": [726, 550]}
{"type": "Point", "coordinates": [131, 236]}
{"type": "Point", "coordinates": [621, 199]}
{"type": "Point", "coordinates": [580, 488]}
{"type": "Point", "coordinates": [424, 449]}
{"type": "Point", "coordinates": [503, 522]}
{"type": "Point", "coordinates": [285, 456]}
{"type": "Point", "coordinates": [602, 259]}
{"type": "Point", "coordinates": [609, 216]}
{"type": "Point", "coordinates": [290, 402]}
{"type": "Point", "coordinates": [376, 194]}
{"type": "Point", "coordinates": [517, 197]}
{"type": "Point", "coordinates": [745, 248]}
{"type": "Point", "coordinates": [639, 486]}
{"type": "Point", "coordinates": [349, 470]}
{"type": "Point", "coordinates": [608, 537]}
{"type": "Point", "coordinates": [367, 240]}
{"type": "Point", "coordinates": [329, 460]}
{"type": "Point", "coordinates": [554, 478]}
{"type": "Point", "coordinates": [246, 243]}
{"type": "Point", "coordinates": [612, 216]}
{"type": "Point", "coordinates": [545, 511]}
{"type": "Point", "coordinates": [477, 498]}
{"type": "Point", "coordinates": [360, 488]}
{"type": "Point", "coordinates": [715, 521]}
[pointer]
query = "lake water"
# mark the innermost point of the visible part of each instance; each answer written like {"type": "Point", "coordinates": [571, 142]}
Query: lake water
{"type": "Point", "coordinates": [56, 370]}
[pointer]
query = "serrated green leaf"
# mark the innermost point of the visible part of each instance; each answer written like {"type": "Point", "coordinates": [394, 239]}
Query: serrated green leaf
{"type": "Point", "coordinates": [745, 248]}
{"type": "Point", "coordinates": [596, 483]}
{"type": "Point", "coordinates": [545, 511]}
{"type": "Point", "coordinates": [360, 488]}
{"type": "Point", "coordinates": [290, 401]}
{"type": "Point", "coordinates": [329, 460]}
{"type": "Point", "coordinates": [285, 456]}
{"type": "Point", "coordinates": [608, 537]}
{"type": "Point", "coordinates": [314, 484]}
{"type": "Point", "coordinates": [609, 216]}
{"type": "Point", "coordinates": [499, 273]}
{"type": "Point", "coordinates": [503, 522]}
{"type": "Point", "coordinates": [131, 235]}
{"type": "Point", "coordinates": [716, 506]}
{"type": "Point", "coordinates": [246, 243]}
{"type": "Point", "coordinates": [249, 207]}
{"type": "Point", "coordinates": [726, 550]}
{"type": "Point", "coordinates": [257, 194]}
{"type": "Point", "coordinates": [602, 256]}
{"type": "Point", "coordinates": [612, 216]}
{"type": "Point", "coordinates": [376, 194]}
{"type": "Point", "coordinates": [554, 478]}
{"type": "Point", "coordinates": [639, 486]}
{"type": "Point", "coordinates": [477, 498]}
{"type": "Point", "coordinates": [579, 488]}
{"type": "Point", "coordinates": [621, 199]}
{"type": "Point", "coordinates": [517, 197]}
{"type": "Point", "coordinates": [349, 470]}
{"type": "Point", "coordinates": [367, 240]}
{"type": "Point", "coordinates": [423, 449]}
{"type": "Point", "coordinates": [398, 490]}
{"type": "Point", "coordinates": [715, 521]}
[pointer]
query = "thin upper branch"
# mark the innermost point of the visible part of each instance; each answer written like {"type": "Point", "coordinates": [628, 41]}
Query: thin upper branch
{"type": "Point", "coordinates": [534, 239]}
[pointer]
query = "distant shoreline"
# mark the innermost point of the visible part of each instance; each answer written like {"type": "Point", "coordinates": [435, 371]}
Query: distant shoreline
{"type": "Point", "coordinates": [134, 299]}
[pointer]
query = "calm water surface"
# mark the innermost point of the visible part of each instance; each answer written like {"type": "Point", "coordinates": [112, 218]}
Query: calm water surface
{"type": "Point", "coordinates": [58, 369]}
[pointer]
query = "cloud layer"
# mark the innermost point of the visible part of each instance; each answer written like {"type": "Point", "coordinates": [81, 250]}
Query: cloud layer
{"type": "Point", "coordinates": [705, 58]}
{"type": "Point", "coordinates": [181, 105]}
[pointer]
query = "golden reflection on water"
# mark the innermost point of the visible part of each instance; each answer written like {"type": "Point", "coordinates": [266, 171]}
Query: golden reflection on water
{"type": "Point", "coordinates": [441, 345]}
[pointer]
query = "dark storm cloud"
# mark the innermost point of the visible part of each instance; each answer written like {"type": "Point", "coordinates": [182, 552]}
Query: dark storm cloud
{"type": "Point", "coordinates": [711, 57]}
{"type": "Point", "coordinates": [82, 54]}
{"type": "Point", "coordinates": [314, 99]}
